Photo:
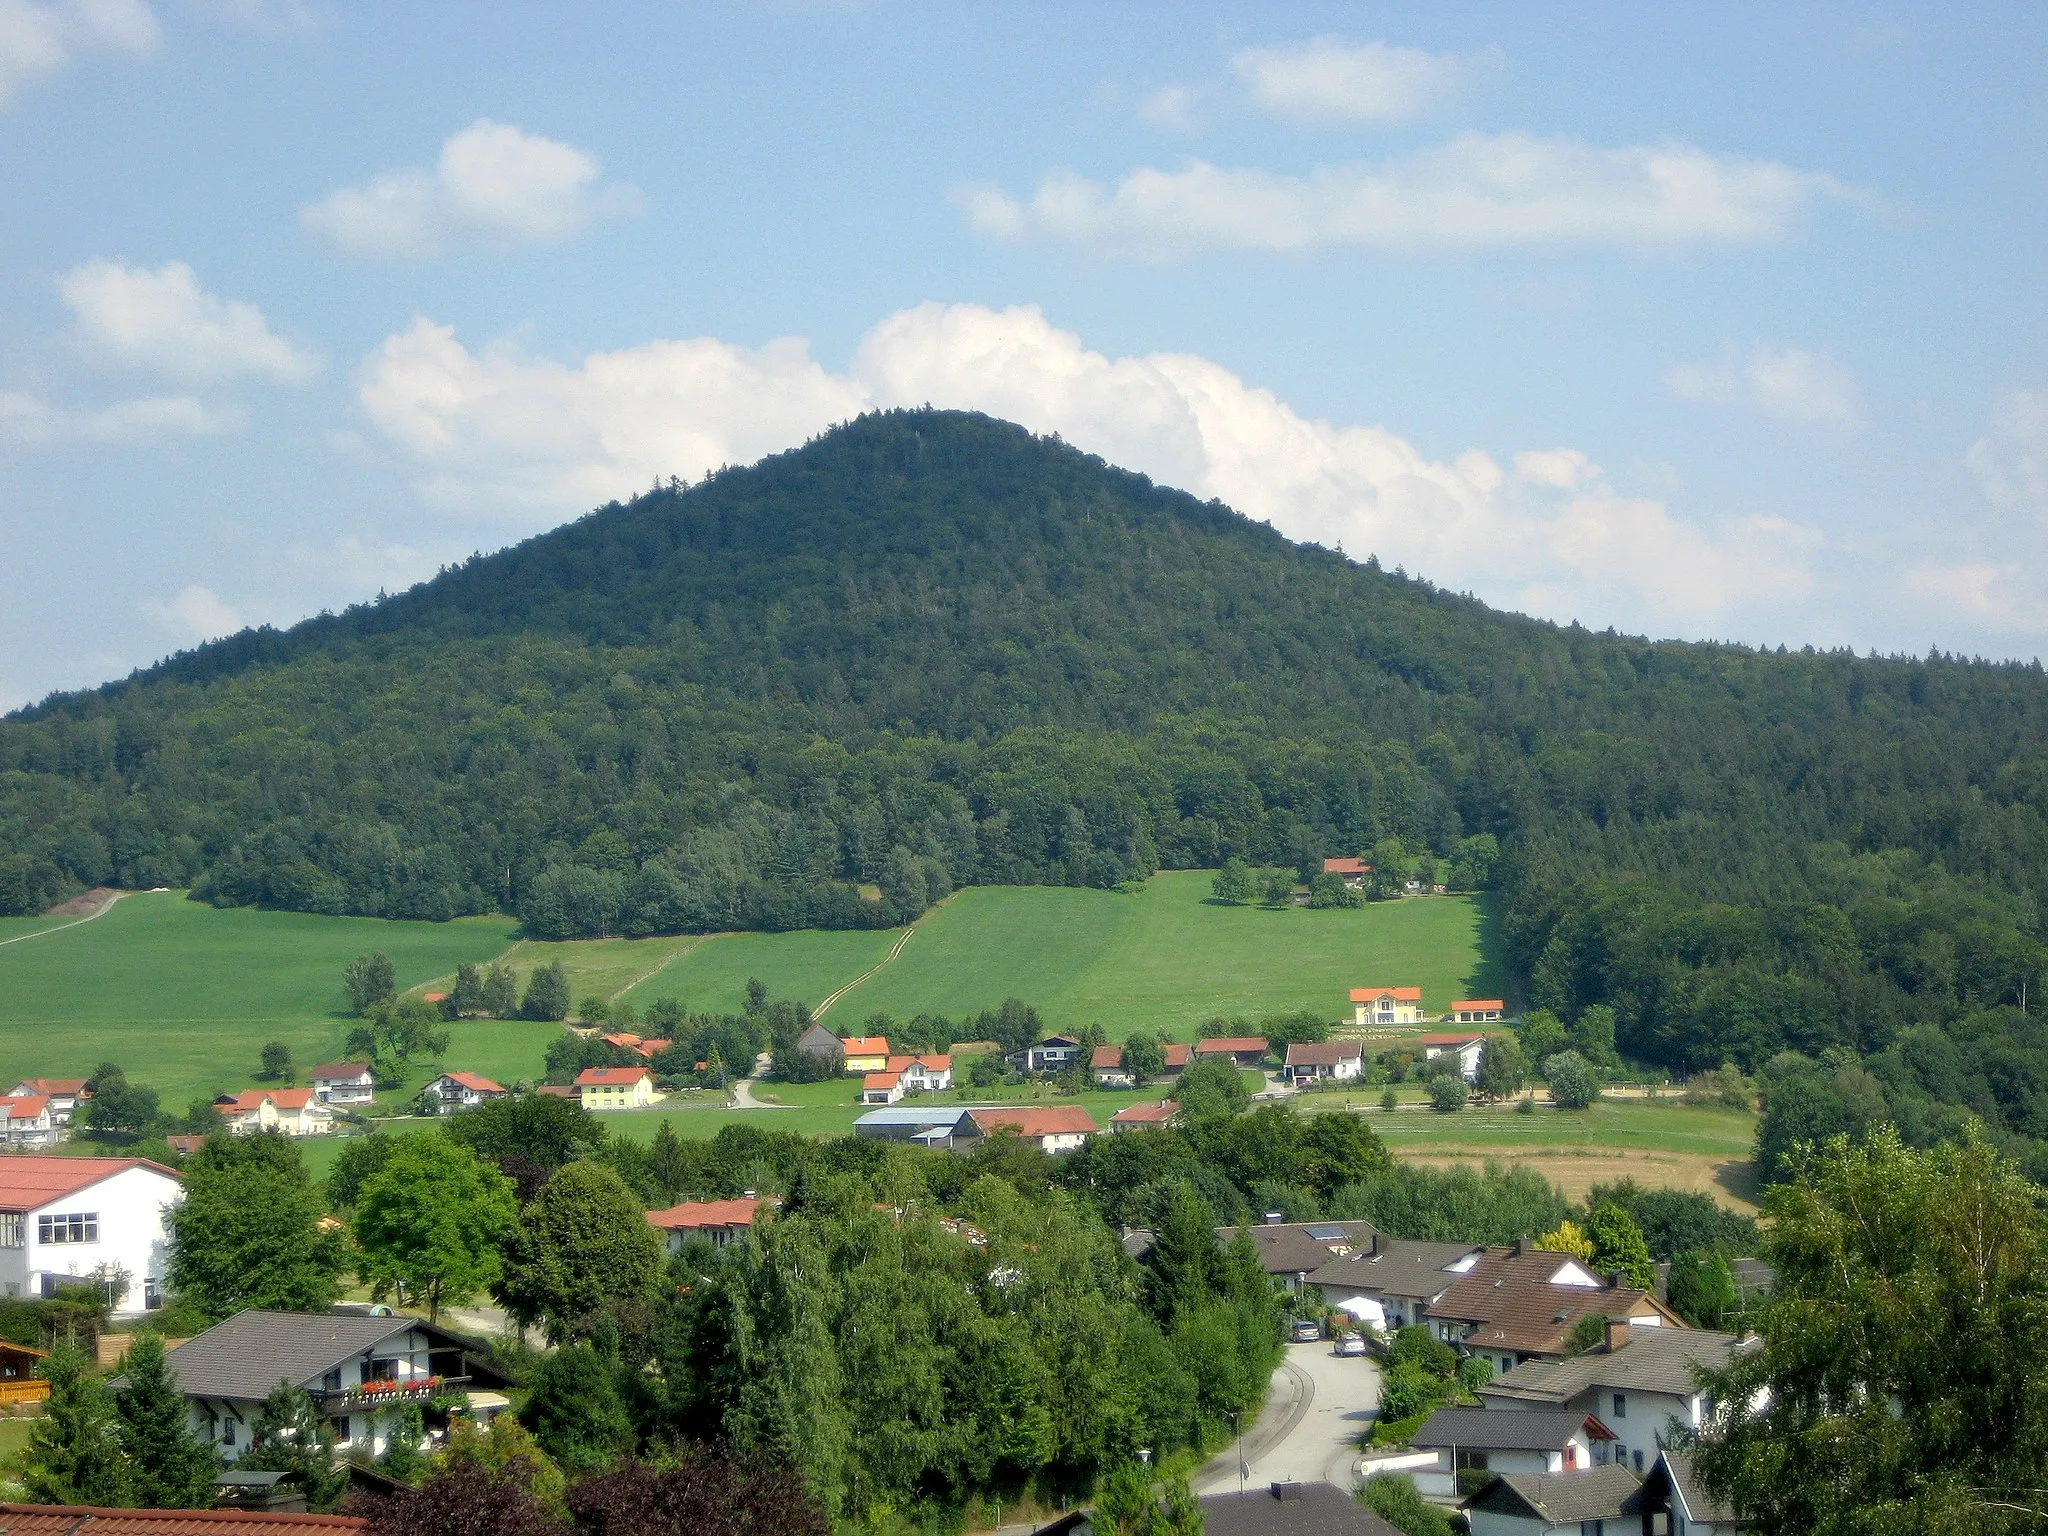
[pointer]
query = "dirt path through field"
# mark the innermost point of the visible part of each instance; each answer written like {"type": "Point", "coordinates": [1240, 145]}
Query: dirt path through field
{"type": "Point", "coordinates": [101, 910]}
{"type": "Point", "coordinates": [894, 950]}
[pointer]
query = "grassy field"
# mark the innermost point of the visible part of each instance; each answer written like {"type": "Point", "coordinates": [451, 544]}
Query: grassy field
{"type": "Point", "coordinates": [184, 996]}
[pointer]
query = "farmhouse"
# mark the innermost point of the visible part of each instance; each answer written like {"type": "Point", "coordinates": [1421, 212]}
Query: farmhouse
{"type": "Point", "coordinates": [1541, 1441]}
{"type": "Point", "coordinates": [818, 1041]}
{"type": "Point", "coordinates": [1177, 1057]}
{"type": "Point", "coordinates": [1521, 1303]}
{"type": "Point", "coordinates": [646, 1050]}
{"type": "Point", "coordinates": [1062, 1129]}
{"type": "Point", "coordinates": [67, 1219]}
{"type": "Point", "coordinates": [64, 1093]}
{"type": "Point", "coordinates": [27, 1122]}
{"type": "Point", "coordinates": [453, 1091]}
{"type": "Point", "coordinates": [1052, 1054]}
{"type": "Point", "coordinates": [1245, 1050]}
{"type": "Point", "coordinates": [289, 1111]}
{"type": "Point", "coordinates": [358, 1369]}
{"type": "Point", "coordinates": [1467, 1048]}
{"type": "Point", "coordinates": [923, 1074]}
{"type": "Point", "coordinates": [343, 1082]}
{"type": "Point", "coordinates": [615, 1087]}
{"type": "Point", "coordinates": [1106, 1066]}
{"type": "Point", "coordinates": [1385, 1007]}
{"type": "Point", "coordinates": [866, 1053]}
{"type": "Point", "coordinates": [1351, 871]}
{"type": "Point", "coordinates": [1144, 1117]}
{"type": "Point", "coordinates": [1639, 1381]}
{"type": "Point", "coordinates": [1291, 1251]}
{"type": "Point", "coordinates": [1480, 1010]}
{"type": "Point", "coordinates": [722, 1221]}
{"type": "Point", "coordinates": [1340, 1061]}
{"type": "Point", "coordinates": [1542, 1503]}
{"type": "Point", "coordinates": [1401, 1274]}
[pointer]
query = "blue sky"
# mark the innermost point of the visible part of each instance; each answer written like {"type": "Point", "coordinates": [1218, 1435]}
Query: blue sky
{"type": "Point", "coordinates": [1729, 325]}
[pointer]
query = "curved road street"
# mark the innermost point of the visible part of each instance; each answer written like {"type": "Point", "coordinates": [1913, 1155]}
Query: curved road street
{"type": "Point", "coordinates": [1316, 1408]}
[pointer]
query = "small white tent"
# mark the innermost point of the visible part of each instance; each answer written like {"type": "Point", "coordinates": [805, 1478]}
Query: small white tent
{"type": "Point", "coordinates": [1370, 1314]}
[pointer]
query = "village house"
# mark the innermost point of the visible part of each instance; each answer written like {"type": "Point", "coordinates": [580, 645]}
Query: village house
{"type": "Point", "coordinates": [1521, 1303]}
{"type": "Point", "coordinates": [1351, 871]}
{"type": "Point", "coordinates": [455, 1091]}
{"type": "Point", "coordinates": [347, 1083]}
{"type": "Point", "coordinates": [1145, 1117]}
{"type": "Point", "coordinates": [615, 1087]}
{"type": "Point", "coordinates": [646, 1050]}
{"type": "Point", "coordinates": [923, 1074]}
{"type": "Point", "coordinates": [721, 1221]}
{"type": "Point", "coordinates": [1482, 1010]}
{"type": "Point", "coordinates": [1052, 1054]}
{"type": "Point", "coordinates": [1385, 1007]}
{"type": "Point", "coordinates": [1340, 1061]}
{"type": "Point", "coordinates": [1671, 1501]}
{"type": "Point", "coordinates": [1106, 1066]}
{"type": "Point", "coordinates": [1400, 1275]}
{"type": "Point", "coordinates": [1473, 1440]}
{"type": "Point", "coordinates": [1639, 1381]}
{"type": "Point", "coordinates": [1244, 1050]}
{"type": "Point", "coordinates": [866, 1053]}
{"type": "Point", "coordinates": [66, 1220]}
{"type": "Point", "coordinates": [1065, 1128]}
{"type": "Point", "coordinates": [1177, 1057]}
{"type": "Point", "coordinates": [818, 1041]}
{"type": "Point", "coordinates": [1592, 1502]}
{"type": "Point", "coordinates": [361, 1370]}
{"type": "Point", "coordinates": [1290, 1251]}
{"type": "Point", "coordinates": [64, 1093]}
{"type": "Point", "coordinates": [1467, 1048]}
{"type": "Point", "coordinates": [26, 1121]}
{"type": "Point", "coordinates": [288, 1111]}
{"type": "Point", "coordinates": [881, 1088]}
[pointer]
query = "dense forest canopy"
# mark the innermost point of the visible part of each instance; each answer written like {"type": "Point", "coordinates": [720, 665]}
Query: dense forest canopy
{"type": "Point", "coordinates": [929, 649]}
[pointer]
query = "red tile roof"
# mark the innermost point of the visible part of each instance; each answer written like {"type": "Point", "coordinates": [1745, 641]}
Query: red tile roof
{"type": "Point", "coordinates": [433, 997]}
{"type": "Point", "coordinates": [1346, 867]}
{"type": "Point", "coordinates": [1106, 1058]}
{"type": "Point", "coordinates": [1233, 1044]}
{"type": "Point", "coordinates": [84, 1520]}
{"type": "Point", "coordinates": [1063, 1120]}
{"type": "Point", "coordinates": [876, 1081]}
{"type": "Point", "coordinates": [1146, 1114]}
{"type": "Point", "coordinates": [695, 1215]}
{"type": "Point", "coordinates": [935, 1062]}
{"type": "Point", "coordinates": [609, 1077]}
{"type": "Point", "coordinates": [624, 1042]}
{"type": "Point", "coordinates": [1176, 1055]}
{"type": "Point", "coordinates": [25, 1105]}
{"type": "Point", "coordinates": [475, 1082]}
{"type": "Point", "coordinates": [653, 1048]}
{"type": "Point", "coordinates": [1480, 1002]}
{"type": "Point", "coordinates": [1399, 994]}
{"type": "Point", "coordinates": [29, 1182]}
{"type": "Point", "coordinates": [338, 1071]}
{"type": "Point", "coordinates": [59, 1087]}
{"type": "Point", "coordinates": [865, 1045]}
{"type": "Point", "coordinates": [249, 1098]}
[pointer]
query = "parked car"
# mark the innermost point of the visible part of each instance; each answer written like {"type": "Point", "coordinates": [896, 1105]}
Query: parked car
{"type": "Point", "coordinates": [1351, 1344]}
{"type": "Point", "coordinates": [1306, 1330]}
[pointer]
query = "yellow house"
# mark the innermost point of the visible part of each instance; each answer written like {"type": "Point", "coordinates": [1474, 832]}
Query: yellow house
{"type": "Point", "coordinates": [1386, 1005]}
{"type": "Point", "coordinates": [615, 1087]}
{"type": "Point", "coordinates": [866, 1053]}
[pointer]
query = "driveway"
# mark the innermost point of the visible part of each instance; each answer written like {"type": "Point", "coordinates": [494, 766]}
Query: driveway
{"type": "Point", "coordinates": [1316, 1408]}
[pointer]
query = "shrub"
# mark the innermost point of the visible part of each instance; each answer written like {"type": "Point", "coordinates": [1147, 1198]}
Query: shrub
{"type": "Point", "coordinates": [1393, 1498]}
{"type": "Point", "coordinates": [1571, 1080]}
{"type": "Point", "coordinates": [1448, 1093]}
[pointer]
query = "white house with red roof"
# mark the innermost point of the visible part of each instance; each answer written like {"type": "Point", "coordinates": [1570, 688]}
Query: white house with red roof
{"type": "Point", "coordinates": [1245, 1050]}
{"type": "Point", "coordinates": [1063, 1128]}
{"type": "Point", "coordinates": [615, 1087]}
{"type": "Point", "coordinates": [343, 1082]}
{"type": "Point", "coordinates": [1383, 1007]}
{"type": "Point", "coordinates": [290, 1111]}
{"type": "Point", "coordinates": [25, 1121]}
{"type": "Point", "coordinates": [723, 1221]}
{"type": "Point", "coordinates": [1466, 1046]}
{"type": "Point", "coordinates": [881, 1087]}
{"type": "Point", "coordinates": [1145, 1117]}
{"type": "Point", "coordinates": [455, 1091]}
{"type": "Point", "coordinates": [64, 1093]}
{"type": "Point", "coordinates": [76, 1219]}
{"type": "Point", "coordinates": [1106, 1065]}
{"type": "Point", "coordinates": [1478, 1010]}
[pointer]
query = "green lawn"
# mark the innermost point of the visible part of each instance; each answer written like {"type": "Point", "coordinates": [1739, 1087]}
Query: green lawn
{"type": "Point", "coordinates": [806, 966]}
{"type": "Point", "coordinates": [184, 996]}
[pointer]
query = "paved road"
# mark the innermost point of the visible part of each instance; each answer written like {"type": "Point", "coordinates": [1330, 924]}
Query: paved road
{"type": "Point", "coordinates": [743, 1088]}
{"type": "Point", "coordinates": [1317, 1407]}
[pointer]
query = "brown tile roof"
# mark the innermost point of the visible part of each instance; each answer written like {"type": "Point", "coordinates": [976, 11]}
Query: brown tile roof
{"type": "Point", "coordinates": [60, 1087]}
{"type": "Point", "coordinates": [1233, 1044]}
{"type": "Point", "coordinates": [1346, 867]}
{"type": "Point", "coordinates": [1299, 1247]}
{"type": "Point", "coordinates": [338, 1071]}
{"type": "Point", "coordinates": [84, 1520]}
{"type": "Point", "coordinates": [1061, 1120]}
{"type": "Point", "coordinates": [473, 1081]}
{"type": "Point", "coordinates": [696, 1215]}
{"type": "Point", "coordinates": [1509, 1301]}
{"type": "Point", "coordinates": [1325, 1053]}
{"type": "Point", "coordinates": [29, 1182]}
{"type": "Point", "coordinates": [1106, 1057]}
{"type": "Point", "coordinates": [1176, 1055]}
{"type": "Point", "coordinates": [1146, 1114]}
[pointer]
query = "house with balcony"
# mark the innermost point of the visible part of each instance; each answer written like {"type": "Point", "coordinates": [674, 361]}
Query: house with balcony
{"type": "Point", "coordinates": [1341, 1061]}
{"type": "Point", "coordinates": [1522, 1303]}
{"type": "Point", "coordinates": [288, 1111]}
{"type": "Point", "coordinates": [64, 1093]}
{"type": "Point", "coordinates": [1385, 1007]}
{"type": "Point", "coordinates": [361, 1371]}
{"type": "Point", "coordinates": [452, 1092]}
{"type": "Point", "coordinates": [348, 1084]}
{"type": "Point", "coordinates": [1055, 1053]}
{"type": "Point", "coordinates": [26, 1121]}
{"type": "Point", "coordinates": [75, 1220]}
{"type": "Point", "coordinates": [1542, 1441]}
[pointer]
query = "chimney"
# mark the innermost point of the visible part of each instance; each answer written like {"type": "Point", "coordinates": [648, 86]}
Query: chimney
{"type": "Point", "coordinates": [1285, 1492]}
{"type": "Point", "coordinates": [1516, 1248]}
{"type": "Point", "coordinates": [1375, 1248]}
{"type": "Point", "coordinates": [1273, 1218]}
{"type": "Point", "coordinates": [1617, 1333]}
{"type": "Point", "coordinates": [1615, 1278]}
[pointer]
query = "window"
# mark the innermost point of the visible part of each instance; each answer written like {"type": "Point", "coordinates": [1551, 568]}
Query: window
{"type": "Point", "coordinates": [152, 1296]}
{"type": "Point", "coordinates": [331, 1382]}
{"type": "Point", "coordinates": [340, 1428]}
{"type": "Point", "coordinates": [13, 1230]}
{"type": "Point", "coordinates": [78, 1227]}
{"type": "Point", "coordinates": [1621, 1405]}
{"type": "Point", "coordinates": [227, 1432]}
{"type": "Point", "coordinates": [1639, 1461]}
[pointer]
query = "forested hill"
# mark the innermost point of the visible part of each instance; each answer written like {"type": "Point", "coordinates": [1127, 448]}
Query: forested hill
{"type": "Point", "coordinates": [930, 649]}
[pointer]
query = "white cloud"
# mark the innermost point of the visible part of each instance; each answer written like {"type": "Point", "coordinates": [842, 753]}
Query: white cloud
{"type": "Point", "coordinates": [1785, 382]}
{"type": "Point", "coordinates": [1330, 80]}
{"type": "Point", "coordinates": [40, 37]}
{"type": "Point", "coordinates": [1480, 191]}
{"type": "Point", "coordinates": [500, 429]}
{"type": "Point", "coordinates": [1170, 106]}
{"type": "Point", "coordinates": [2011, 460]}
{"type": "Point", "coordinates": [163, 320]}
{"type": "Point", "coordinates": [27, 419]}
{"type": "Point", "coordinates": [493, 186]}
{"type": "Point", "coordinates": [194, 614]}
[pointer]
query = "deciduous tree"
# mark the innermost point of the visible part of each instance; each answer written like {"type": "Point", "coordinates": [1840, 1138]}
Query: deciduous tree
{"type": "Point", "coordinates": [435, 1219]}
{"type": "Point", "coordinates": [247, 1233]}
{"type": "Point", "coordinates": [369, 980]}
{"type": "Point", "coordinates": [582, 1243]}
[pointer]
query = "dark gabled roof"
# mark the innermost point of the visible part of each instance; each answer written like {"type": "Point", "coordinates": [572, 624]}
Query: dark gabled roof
{"type": "Point", "coordinates": [1511, 1299]}
{"type": "Point", "coordinates": [1481, 1429]}
{"type": "Point", "coordinates": [1296, 1509]}
{"type": "Point", "coordinates": [1559, 1498]}
{"type": "Point", "coordinates": [1323, 1053]}
{"type": "Point", "coordinates": [244, 1358]}
{"type": "Point", "coordinates": [1400, 1267]}
{"type": "Point", "coordinates": [1653, 1360]}
{"type": "Point", "coordinates": [1672, 1478]}
{"type": "Point", "coordinates": [1293, 1248]}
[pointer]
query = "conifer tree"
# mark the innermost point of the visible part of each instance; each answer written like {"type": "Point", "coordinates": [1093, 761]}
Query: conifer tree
{"type": "Point", "coordinates": [173, 1467]}
{"type": "Point", "coordinates": [75, 1454]}
{"type": "Point", "coordinates": [289, 1437]}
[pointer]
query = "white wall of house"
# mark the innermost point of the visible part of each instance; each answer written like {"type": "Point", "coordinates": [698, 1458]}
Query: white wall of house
{"type": "Point", "coordinates": [358, 1420]}
{"type": "Point", "coordinates": [116, 1225]}
{"type": "Point", "coordinates": [1487, 1522]}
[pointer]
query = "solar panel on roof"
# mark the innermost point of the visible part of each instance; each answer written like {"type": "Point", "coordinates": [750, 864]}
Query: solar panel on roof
{"type": "Point", "coordinates": [1328, 1234]}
